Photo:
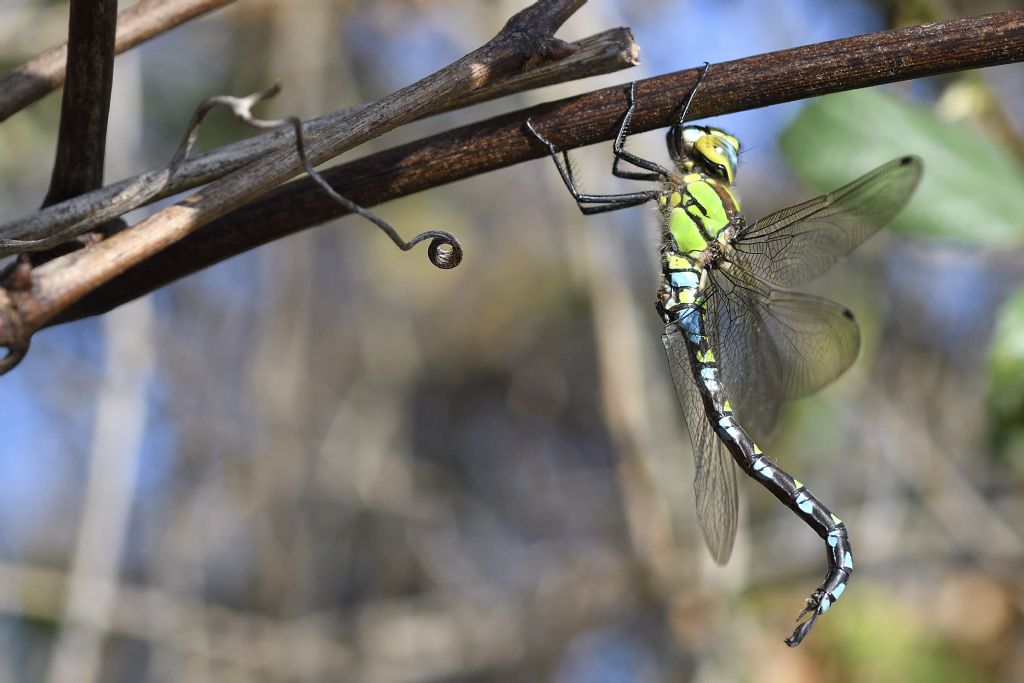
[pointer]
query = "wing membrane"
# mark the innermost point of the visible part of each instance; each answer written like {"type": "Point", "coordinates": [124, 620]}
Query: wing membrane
{"type": "Point", "coordinates": [795, 245]}
{"type": "Point", "coordinates": [715, 481]}
{"type": "Point", "coordinates": [775, 345]}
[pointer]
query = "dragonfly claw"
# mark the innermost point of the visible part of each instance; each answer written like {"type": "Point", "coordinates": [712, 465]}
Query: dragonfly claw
{"type": "Point", "coordinates": [804, 625]}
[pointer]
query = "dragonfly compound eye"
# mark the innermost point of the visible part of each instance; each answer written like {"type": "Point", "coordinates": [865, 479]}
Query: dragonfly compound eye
{"type": "Point", "coordinates": [718, 154]}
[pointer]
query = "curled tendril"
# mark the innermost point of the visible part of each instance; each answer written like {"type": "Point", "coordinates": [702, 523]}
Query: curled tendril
{"type": "Point", "coordinates": [445, 251]}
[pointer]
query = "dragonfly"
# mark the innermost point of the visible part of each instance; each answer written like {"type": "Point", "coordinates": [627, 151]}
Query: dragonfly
{"type": "Point", "coordinates": [740, 341]}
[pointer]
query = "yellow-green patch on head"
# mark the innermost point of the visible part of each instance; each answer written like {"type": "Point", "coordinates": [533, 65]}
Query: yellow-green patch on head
{"type": "Point", "coordinates": [714, 149]}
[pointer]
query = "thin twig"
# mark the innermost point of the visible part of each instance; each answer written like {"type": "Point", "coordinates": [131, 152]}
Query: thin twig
{"type": "Point", "coordinates": [444, 251]}
{"type": "Point", "coordinates": [593, 117]}
{"type": "Point", "coordinates": [757, 81]}
{"type": "Point", "coordinates": [140, 22]}
{"type": "Point", "coordinates": [86, 100]}
{"type": "Point", "coordinates": [525, 40]}
{"type": "Point", "coordinates": [140, 191]}
{"type": "Point", "coordinates": [598, 54]}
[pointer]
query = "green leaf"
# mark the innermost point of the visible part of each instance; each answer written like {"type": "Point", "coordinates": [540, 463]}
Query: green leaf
{"type": "Point", "coordinates": [1006, 363]}
{"type": "Point", "coordinates": [972, 191]}
{"type": "Point", "coordinates": [1006, 381]}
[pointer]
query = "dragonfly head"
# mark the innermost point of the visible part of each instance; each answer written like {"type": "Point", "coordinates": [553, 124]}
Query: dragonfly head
{"type": "Point", "coordinates": [714, 150]}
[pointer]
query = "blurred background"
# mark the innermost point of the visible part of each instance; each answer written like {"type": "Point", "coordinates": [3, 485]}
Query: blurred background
{"type": "Point", "coordinates": [326, 460]}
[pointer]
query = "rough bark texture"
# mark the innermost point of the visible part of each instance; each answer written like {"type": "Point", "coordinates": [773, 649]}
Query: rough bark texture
{"type": "Point", "coordinates": [742, 84]}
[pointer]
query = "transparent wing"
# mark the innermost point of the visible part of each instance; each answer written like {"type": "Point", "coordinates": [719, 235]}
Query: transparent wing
{"type": "Point", "coordinates": [715, 481]}
{"type": "Point", "coordinates": [775, 345]}
{"type": "Point", "coordinates": [795, 245]}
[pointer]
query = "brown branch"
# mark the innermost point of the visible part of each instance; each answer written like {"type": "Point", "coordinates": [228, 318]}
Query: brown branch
{"type": "Point", "coordinates": [81, 142]}
{"type": "Point", "coordinates": [742, 84]}
{"type": "Point", "coordinates": [598, 54]}
{"type": "Point", "coordinates": [746, 83]}
{"type": "Point", "coordinates": [595, 55]}
{"type": "Point", "coordinates": [525, 41]}
{"type": "Point", "coordinates": [140, 22]}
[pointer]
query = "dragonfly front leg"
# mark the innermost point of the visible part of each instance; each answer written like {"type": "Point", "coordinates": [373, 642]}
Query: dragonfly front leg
{"type": "Point", "coordinates": [591, 203]}
{"type": "Point", "coordinates": [654, 171]}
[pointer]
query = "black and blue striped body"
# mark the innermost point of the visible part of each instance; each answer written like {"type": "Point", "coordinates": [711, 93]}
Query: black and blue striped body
{"type": "Point", "coordinates": [699, 215]}
{"type": "Point", "coordinates": [690, 318]}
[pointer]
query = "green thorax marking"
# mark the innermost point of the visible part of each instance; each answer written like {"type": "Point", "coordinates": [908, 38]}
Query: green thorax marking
{"type": "Point", "coordinates": [697, 209]}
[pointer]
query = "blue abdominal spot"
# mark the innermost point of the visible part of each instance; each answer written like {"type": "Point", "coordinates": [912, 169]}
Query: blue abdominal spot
{"type": "Point", "coordinates": [686, 279]}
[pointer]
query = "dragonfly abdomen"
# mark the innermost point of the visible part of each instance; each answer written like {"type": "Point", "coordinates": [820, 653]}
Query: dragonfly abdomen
{"type": "Point", "coordinates": [749, 456]}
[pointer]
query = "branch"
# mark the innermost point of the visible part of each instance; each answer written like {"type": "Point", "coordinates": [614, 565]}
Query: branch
{"type": "Point", "coordinates": [525, 41]}
{"type": "Point", "coordinates": [82, 138]}
{"type": "Point", "coordinates": [747, 83]}
{"type": "Point", "coordinates": [140, 22]}
{"type": "Point", "coordinates": [733, 86]}
{"type": "Point", "coordinates": [599, 54]}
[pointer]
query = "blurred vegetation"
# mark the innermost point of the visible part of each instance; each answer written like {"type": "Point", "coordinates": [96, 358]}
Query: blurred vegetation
{"type": "Point", "coordinates": [330, 461]}
{"type": "Point", "coordinates": [1006, 370]}
{"type": "Point", "coordinates": [972, 192]}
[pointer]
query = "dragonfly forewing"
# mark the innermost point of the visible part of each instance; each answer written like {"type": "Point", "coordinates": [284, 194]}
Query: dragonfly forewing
{"type": "Point", "coordinates": [794, 246]}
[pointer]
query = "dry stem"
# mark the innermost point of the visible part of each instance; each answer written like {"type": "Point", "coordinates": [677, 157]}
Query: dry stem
{"type": "Point", "coordinates": [742, 84]}
{"type": "Point", "coordinates": [140, 22]}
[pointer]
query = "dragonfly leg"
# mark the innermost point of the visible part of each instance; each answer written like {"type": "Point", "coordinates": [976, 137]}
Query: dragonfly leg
{"type": "Point", "coordinates": [790, 491]}
{"type": "Point", "coordinates": [693, 91]}
{"type": "Point", "coordinates": [674, 138]}
{"type": "Point", "coordinates": [591, 203]}
{"type": "Point", "coordinates": [654, 171]}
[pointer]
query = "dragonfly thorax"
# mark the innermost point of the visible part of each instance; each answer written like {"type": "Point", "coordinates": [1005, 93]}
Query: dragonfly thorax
{"type": "Point", "coordinates": [699, 213]}
{"type": "Point", "coordinates": [711, 150]}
